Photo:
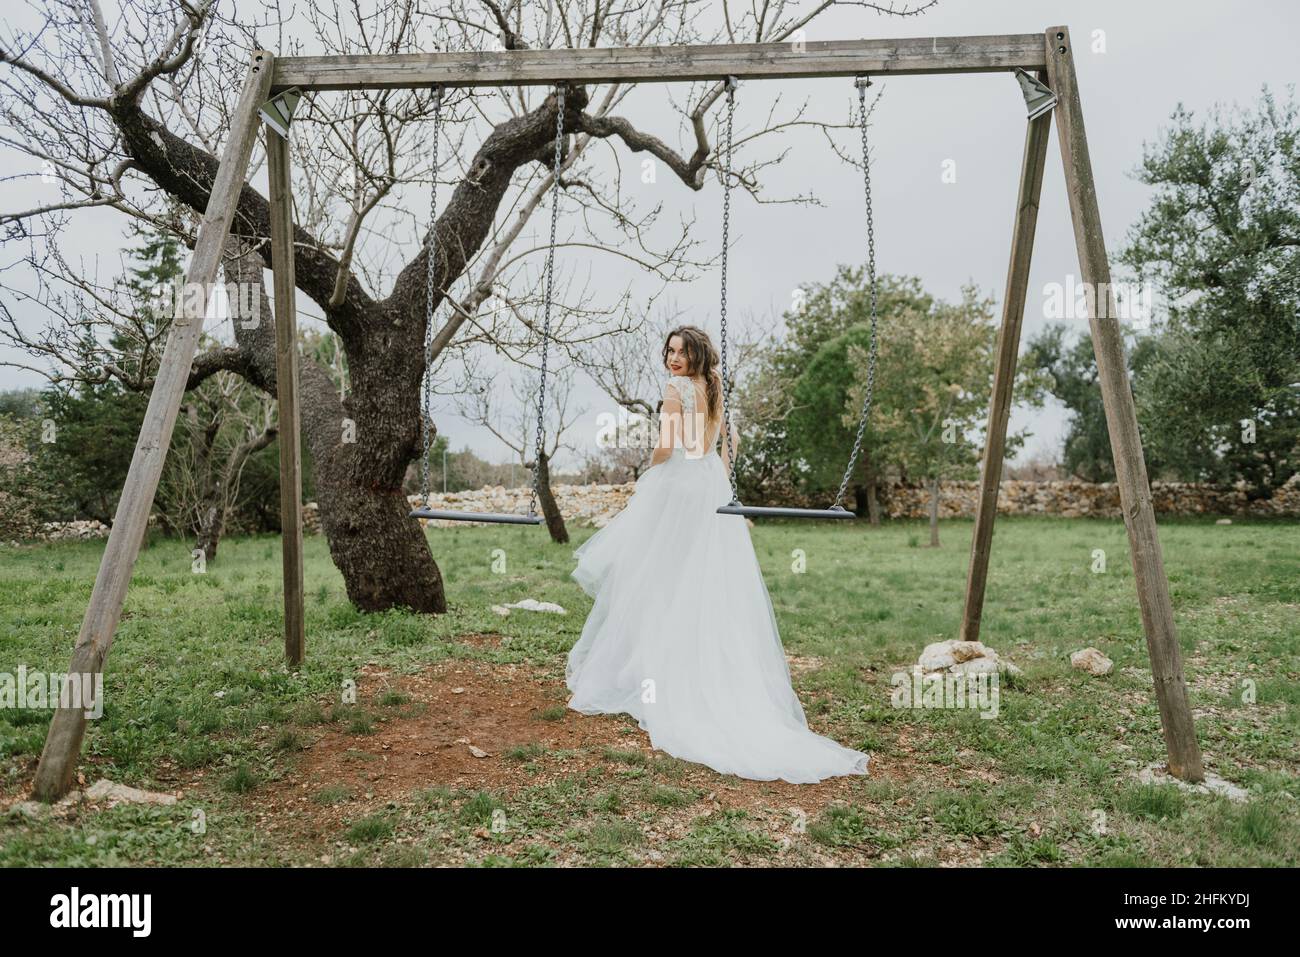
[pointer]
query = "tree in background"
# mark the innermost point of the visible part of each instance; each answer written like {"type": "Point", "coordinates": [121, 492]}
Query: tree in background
{"type": "Point", "coordinates": [1216, 379]}
{"type": "Point", "coordinates": [93, 433]}
{"type": "Point", "coordinates": [516, 429]}
{"type": "Point", "coordinates": [223, 424]}
{"type": "Point", "coordinates": [1069, 370]}
{"type": "Point", "coordinates": [933, 385]}
{"type": "Point", "coordinates": [1221, 243]}
{"type": "Point", "coordinates": [95, 410]}
{"type": "Point", "coordinates": [611, 465]}
{"type": "Point", "coordinates": [791, 435]}
{"type": "Point", "coordinates": [94, 406]}
{"type": "Point", "coordinates": [25, 499]}
{"type": "Point", "coordinates": [933, 382]}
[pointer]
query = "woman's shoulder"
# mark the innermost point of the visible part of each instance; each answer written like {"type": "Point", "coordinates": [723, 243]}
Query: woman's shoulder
{"type": "Point", "coordinates": [680, 382]}
{"type": "Point", "coordinates": [687, 389]}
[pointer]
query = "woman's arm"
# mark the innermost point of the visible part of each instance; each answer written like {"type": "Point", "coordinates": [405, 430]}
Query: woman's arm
{"type": "Point", "coordinates": [670, 423]}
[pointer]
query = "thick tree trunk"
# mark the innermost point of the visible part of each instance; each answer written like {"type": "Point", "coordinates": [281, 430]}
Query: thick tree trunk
{"type": "Point", "coordinates": [550, 508]}
{"type": "Point", "coordinates": [360, 447]}
{"type": "Point", "coordinates": [381, 552]}
{"type": "Point", "coordinates": [934, 511]}
{"type": "Point", "coordinates": [358, 458]}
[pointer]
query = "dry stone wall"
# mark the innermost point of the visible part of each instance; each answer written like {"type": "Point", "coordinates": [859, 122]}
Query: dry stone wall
{"type": "Point", "coordinates": [595, 505]}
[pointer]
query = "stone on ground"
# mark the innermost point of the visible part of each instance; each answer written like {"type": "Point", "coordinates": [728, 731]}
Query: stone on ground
{"type": "Point", "coordinates": [106, 790]}
{"type": "Point", "coordinates": [963, 658]}
{"type": "Point", "coordinates": [530, 604]}
{"type": "Point", "coordinates": [1092, 661]}
{"type": "Point", "coordinates": [1213, 784]}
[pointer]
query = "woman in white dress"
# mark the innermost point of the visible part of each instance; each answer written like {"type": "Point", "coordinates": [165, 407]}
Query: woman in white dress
{"type": "Point", "coordinates": [682, 635]}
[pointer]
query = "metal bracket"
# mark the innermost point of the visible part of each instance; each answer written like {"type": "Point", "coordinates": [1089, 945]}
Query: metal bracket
{"type": "Point", "coordinates": [277, 112]}
{"type": "Point", "coordinates": [1039, 98]}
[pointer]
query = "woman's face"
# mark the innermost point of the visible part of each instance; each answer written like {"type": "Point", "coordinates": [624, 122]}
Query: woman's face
{"type": "Point", "coordinates": [677, 361]}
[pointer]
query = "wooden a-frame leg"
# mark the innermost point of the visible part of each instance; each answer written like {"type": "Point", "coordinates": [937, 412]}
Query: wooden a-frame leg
{"type": "Point", "coordinates": [58, 764]}
{"type": "Point", "coordinates": [286, 374]}
{"type": "Point", "coordinates": [1004, 372]}
{"type": "Point", "coordinates": [1121, 419]}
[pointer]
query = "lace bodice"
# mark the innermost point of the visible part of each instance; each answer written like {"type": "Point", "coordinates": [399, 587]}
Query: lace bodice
{"type": "Point", "coordinates": [695, 426]}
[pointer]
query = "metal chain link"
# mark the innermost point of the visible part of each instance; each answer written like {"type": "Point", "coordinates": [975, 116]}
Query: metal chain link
{"type": "Point", "coordinates": [862, 83]}
{"type": "Point", "coordinates": [550, 284]}
{"type": "Point", "coordinates": [430, 292]}
{"type": "Point", "coordinates": [726, 229]}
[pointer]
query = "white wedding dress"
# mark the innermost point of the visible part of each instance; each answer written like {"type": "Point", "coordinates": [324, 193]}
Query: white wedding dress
{"type": "Point", "coordinates": [682, 635]}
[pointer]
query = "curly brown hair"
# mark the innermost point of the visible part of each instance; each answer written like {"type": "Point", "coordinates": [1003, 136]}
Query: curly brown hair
{"type": "Point", "coordinates": [702, 359]}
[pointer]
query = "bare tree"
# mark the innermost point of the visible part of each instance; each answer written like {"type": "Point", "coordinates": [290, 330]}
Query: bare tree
{"type": "Point", "coordinates": [226, 423]}
{"type": "Point", "coordinates": [129, 115]}
{"type": "Point", "coordinates": [516, 430]}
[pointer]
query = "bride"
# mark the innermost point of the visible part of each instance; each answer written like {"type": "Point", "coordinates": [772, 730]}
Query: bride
{"type": "Point", "coordinates": [682, 635]}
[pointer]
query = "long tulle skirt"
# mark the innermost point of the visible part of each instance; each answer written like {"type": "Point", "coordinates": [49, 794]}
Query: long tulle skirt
{"type": "Point", "coordinates": [683, 637]}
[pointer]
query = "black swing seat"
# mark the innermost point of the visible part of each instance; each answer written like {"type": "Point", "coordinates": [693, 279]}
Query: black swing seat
{"type": "Point", "coordinates": [495, 518]}
{"type": "Point", "coordinates": [762, 511]}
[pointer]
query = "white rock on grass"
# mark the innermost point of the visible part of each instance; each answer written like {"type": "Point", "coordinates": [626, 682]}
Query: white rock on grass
{"type": "Point", "coordinates": [106, 790]}
{"type": "Point", "coordinates": [976, 666]}
{"type": "Point", "coordinates": [1213, 784]}
{"type": "Point", "coordinates": [938, 656]}
{"type": "Point", "coordinates": [963, 658]}
{"type": "Point", "coordinates": [532, 604]}
{"type": "Point", "coordinates": [1092, 661]}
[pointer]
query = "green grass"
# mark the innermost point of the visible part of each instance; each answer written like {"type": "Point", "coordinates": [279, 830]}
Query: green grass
{"type": "Point", "coordinates": [196, 691]}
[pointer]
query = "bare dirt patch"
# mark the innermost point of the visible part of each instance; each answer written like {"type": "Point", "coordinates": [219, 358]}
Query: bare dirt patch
{"type": "Point", "coordinates": [457, 730]}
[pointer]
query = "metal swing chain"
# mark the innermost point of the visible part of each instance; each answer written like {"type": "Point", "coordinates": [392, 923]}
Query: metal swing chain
{"type": "Point", "coordinates": [546, 309]}
{"type": "Point", "coordinates": [731, 84]}
{"type": "Point", "coordinates": [862, 83]}
{"type": "Point", "coordinates": [430, 291]}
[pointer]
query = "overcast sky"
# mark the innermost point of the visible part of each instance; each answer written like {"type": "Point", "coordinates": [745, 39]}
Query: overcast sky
{"type": "Point", "coordinates": [1156, 55]}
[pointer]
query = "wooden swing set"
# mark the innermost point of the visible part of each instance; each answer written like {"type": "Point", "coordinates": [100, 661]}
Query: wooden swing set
{"type": "Point", "coordinates": [1048, 57]}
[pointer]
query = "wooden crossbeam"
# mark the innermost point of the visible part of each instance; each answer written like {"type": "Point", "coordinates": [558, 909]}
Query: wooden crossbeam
{"type": "Point", "coordinates": [917, 55]}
